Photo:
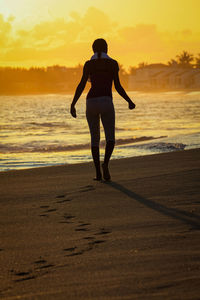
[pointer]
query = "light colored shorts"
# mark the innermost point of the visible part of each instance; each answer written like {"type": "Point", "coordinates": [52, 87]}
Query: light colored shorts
{"type": "Point", "coordinates": [96, 109]}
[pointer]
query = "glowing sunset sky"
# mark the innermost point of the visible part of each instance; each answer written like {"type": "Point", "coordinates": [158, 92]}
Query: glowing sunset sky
{"type": "Point", "coordinates": [47, 32]}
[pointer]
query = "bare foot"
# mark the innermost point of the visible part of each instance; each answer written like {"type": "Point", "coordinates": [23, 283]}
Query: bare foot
{"type": "Point", "coordinates": [98, 177]}
{"type": "Point", "coordinates": [106, 174]}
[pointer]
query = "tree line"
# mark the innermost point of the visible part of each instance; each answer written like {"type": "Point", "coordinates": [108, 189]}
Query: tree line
{"type": "Point", "coordinates": [62, 79]}
{"type": "Point", "coordinates": [184, 60]}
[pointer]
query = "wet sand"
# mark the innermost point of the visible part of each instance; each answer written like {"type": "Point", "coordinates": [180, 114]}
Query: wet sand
{"type": "Point", "coordinates": [64, 236]}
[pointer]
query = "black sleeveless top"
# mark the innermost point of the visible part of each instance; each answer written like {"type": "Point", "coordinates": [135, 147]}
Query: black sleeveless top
{"type": "Point", "coordinates": [101, 73]}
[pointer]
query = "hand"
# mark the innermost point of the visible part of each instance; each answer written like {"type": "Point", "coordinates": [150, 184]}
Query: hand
{"type": "Point", "coordinates": [131, 105]}
{"type": "Point", "coordinates": [73, 111]}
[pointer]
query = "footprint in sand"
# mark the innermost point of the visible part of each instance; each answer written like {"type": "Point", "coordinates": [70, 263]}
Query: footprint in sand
{"type": "Point", "coordinates": [22, 273]}
{"type": "Point", "coordinates": [85, 248]}
{"type": "Point", "coordinates": [96, 242]}
{"type": "Point", "coordinates": [81, 229]}
{"type": "Point", "coordinates": [92, 241]}
{"type": "Point", "coordinates": [88, 238]}
{"type": "Point", "coordinates": [63, 201]}
{"type": "Point", "coordinates": [84, 224]}
{"type": "Point", "coordinates": [23, 276]}
{"type": "Point", "coordinates": [68, 217]}
{"type": "Point", "coordinates": [43, 215]}
{"type": "Point", "coordinates": [46, 266]}
{"type": "Point", "coordinates": [50, 210]}
{"type": "Point", "coordinates": [75, 253]}
{"type": "Point", "coordinates": [83, 189]}
{"type": "Point", "coordinates": [87, 188]}
{"type": "Point", "coordinates": [40, 261]}
{"type": "Point", "coordinates": [70, 249]}
{"type": "Point", "coordinates": [65, 222]}
{"type": "Point", "coordinates": [102, 232]}
{"type": "Point", "coordinates": [42, 264]}
{"type": "Point", "coordinates": [60, 196]}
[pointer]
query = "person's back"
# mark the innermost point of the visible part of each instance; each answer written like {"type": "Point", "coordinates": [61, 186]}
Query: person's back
{"type": "Point", "coordinates": [101, 73]}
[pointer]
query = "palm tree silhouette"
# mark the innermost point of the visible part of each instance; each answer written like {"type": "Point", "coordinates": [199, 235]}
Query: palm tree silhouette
{"type": "Point", "coordinates": [185, 59]}
{"type": "Point", "coordinates": [197, 61]}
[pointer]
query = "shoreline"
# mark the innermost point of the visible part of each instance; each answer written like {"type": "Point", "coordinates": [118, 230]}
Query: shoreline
{"type": "Point", "coordinates": [91, 161]}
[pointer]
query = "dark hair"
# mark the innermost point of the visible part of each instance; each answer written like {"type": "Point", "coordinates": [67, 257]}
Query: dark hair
{"type": "Point", "coordinates": [99, 46]}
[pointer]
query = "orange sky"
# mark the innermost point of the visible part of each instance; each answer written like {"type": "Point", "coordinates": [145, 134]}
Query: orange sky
{"type": "Point", "coordinates": [47, 32]}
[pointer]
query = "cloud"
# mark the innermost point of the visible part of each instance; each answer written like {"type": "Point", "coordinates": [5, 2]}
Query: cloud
{"type": "Point", "coordinates": [57, 40]}
{"type": "Point", "coordinates": [97, 22]}
{"type": "Point", "coordinates": [144, 42]}
{"type": "Point", "coordinates": [5, 30]}
{"type": "Point", "coordinates": [68, 41]}
{"type": "Point", "coordinates": [138, 38]}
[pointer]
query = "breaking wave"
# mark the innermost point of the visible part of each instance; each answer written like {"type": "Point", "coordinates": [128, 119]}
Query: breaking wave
{"type": "Point", "coordinates": [32, 125]}
{"type": "Point", "coordinates": [159, 147]}
{"type": "Point", "coordinates": [35, 147]}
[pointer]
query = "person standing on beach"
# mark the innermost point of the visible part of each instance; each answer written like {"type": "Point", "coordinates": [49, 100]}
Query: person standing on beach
{"type": "Point", "coordinates": [101, 70]}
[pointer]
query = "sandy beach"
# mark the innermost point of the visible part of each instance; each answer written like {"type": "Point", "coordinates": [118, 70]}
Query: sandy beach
{"type": "Point", "coordinates": [64, 236]}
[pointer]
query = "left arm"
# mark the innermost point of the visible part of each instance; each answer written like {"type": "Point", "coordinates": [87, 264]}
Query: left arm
{"type": "Point", "coordinates": [79, 89]}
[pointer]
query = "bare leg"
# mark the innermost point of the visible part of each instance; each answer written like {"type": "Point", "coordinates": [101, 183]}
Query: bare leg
{"type": "Point", "coordinates": [93, 119]}
{"type": "Point", "coordinates": [108, 121]}
{"type": "Point", "coordinates": [108, 152]}
{"type": "Point", "coordinates": [96, 159]}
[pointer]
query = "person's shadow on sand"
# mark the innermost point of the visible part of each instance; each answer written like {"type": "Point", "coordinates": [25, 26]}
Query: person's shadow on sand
{"type": "Point", "coordinates": [186, 217]}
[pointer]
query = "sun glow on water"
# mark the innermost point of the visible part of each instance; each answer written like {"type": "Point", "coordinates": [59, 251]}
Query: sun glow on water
{"type": "Point", "coordinates": [40, 130]}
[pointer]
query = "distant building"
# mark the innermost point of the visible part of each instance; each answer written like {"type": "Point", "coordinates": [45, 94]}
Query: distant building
{"type": "Point", "coordinates": [160, 76]}
{"type": "Point", "coordinates": [196, 79]}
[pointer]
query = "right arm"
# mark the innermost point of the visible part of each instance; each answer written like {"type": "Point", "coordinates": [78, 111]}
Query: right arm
{"type": "Point", "coordinates": [79, 89]}
{"type": "Point", "coordinates": [121, 90]}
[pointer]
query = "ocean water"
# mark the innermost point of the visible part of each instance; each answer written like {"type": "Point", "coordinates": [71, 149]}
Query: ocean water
{"type": "Point", "coordinates": [37, 130]}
